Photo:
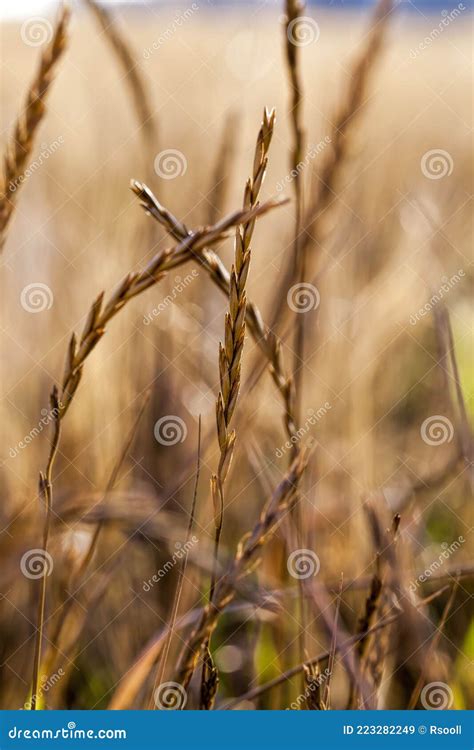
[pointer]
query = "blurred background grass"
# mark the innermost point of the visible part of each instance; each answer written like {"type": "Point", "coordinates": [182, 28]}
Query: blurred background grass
{"type": "Point", "coordinates": [391, 238]}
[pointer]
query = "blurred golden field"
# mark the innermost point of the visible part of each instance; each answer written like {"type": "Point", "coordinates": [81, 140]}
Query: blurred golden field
{"type": "Point", "coordinates": [375, 369]}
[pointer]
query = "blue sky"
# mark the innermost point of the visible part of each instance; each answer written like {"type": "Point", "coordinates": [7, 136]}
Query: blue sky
{"type": "Point", "coordinates": [10, 9]}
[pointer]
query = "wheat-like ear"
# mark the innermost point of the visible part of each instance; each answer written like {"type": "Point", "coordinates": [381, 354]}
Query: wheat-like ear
{"type": "Point", "coordinates": [21, 143]}
{"type": "Point", "coordinates": [230, 356]}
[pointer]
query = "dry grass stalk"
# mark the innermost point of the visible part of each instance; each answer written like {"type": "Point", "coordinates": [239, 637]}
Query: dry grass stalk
{"type": "Point", "coordinates": [294, 11]}
{"type": "Point", "coordinates": [313, 688]}
{"type": "Point", "coordinates": [132, 76]}
{"type": "Point", "coordinates": [95, 326]}
{"type": "Point", "coordinates": [230, 356]}
{"type": "Point", "coordinates": [325, 194]}
{"type": "Point", "coordinates": [268, 342]}
{"type": "Point", "coordinates": [326, 693]}
{"type": "Point", "coordinates": [341, 647]}
{"type": "Point", "coordinates": [432, 647]}
{"type": "Point", "coordinates": [372, 648]}
{"type": "Point", "coordinates": [22, 142]}
{"type": "Point", "coordinates": [245, 561]}
{"type": "Point", "coordinates": [77, 576]}
{"type": "Point", "coordinates": [448, 362]}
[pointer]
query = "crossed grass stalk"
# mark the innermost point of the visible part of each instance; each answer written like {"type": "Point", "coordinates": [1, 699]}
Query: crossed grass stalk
{"type": "Point", "coordinates": [100, 314]}
{"type": "Point", "coordinates": [268, 342]}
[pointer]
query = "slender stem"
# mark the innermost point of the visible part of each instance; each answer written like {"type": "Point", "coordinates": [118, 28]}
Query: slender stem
{"type": "Point", "coordinates": [79, 573]}
{"type": "Point", "coordinates": [182, 570]}
{"type": "Point", "coordinates": [46, 491]}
